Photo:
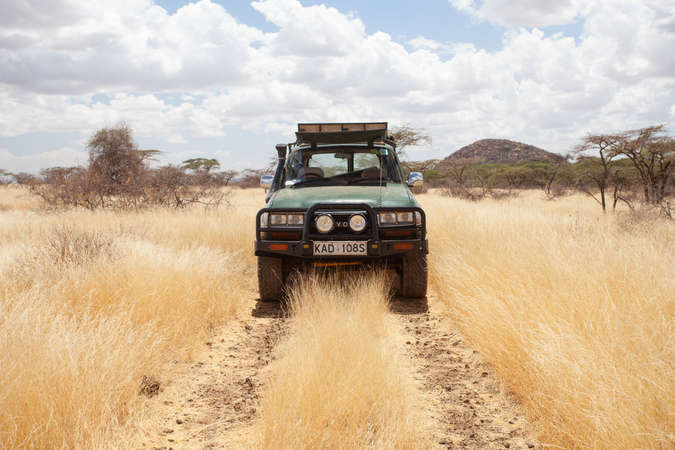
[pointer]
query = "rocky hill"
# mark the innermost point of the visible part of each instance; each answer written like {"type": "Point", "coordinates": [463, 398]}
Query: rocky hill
{"type": "Point", "coordinates": [491, 151]}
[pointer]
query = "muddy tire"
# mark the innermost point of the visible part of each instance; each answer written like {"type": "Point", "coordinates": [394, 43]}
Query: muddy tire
{"type": "Point", "coordinates": [270, 278]}
{"type": "Point", "coordinates": [414, 276]}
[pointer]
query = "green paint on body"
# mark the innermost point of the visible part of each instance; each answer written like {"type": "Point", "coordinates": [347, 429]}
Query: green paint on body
{"type": "Point", "coordinates": [393, 196]}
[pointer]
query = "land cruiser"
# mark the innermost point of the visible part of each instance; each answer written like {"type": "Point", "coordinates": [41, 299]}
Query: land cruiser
{"type": "Point", "coordinates": [339, 198]}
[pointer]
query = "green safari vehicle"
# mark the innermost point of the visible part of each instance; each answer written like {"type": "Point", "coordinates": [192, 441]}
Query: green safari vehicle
{"type": "Point", "coordinates": [339, 198]}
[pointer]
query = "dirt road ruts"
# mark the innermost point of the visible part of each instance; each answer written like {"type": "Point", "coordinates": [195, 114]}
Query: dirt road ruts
{"type": "Point", "coordinates": [213, 402]}
{"type": "Point", "coordinates": [466, 403]}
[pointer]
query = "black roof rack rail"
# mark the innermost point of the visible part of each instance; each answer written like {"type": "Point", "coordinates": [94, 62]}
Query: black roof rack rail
{"type": "Point", "coordinates": [341, 133]}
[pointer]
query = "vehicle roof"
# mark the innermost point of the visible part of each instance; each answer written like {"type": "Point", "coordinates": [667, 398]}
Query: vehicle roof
{"type": "Point", "coordinates": [341, 133]}
{"type": "Point", "coordinates": [341, 137]}
{"type": "Point", "coordinates": [363, 146]}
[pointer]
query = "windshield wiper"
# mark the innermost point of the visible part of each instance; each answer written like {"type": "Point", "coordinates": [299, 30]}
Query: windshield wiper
{"type": "Point", "coordinates": [369, 180]}
{"type": "Point", "coordinates": [327, 181]}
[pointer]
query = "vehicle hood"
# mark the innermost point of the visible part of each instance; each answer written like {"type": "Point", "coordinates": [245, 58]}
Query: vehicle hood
{"type": "Point", "coordinates": [393, 195]}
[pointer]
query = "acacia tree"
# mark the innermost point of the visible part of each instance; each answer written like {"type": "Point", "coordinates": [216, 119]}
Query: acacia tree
{"type": "Point", "coordinates": [652, 153]}
{"type": "Point", "coordinates": [201, 164]}
{"type": "Point", "coordinates": [599, 169]}
{"type": "Point", "coordinates": [420, 166]}
{"type": "Point", "coordinates": [543, 174]}
{"type": "Point", "coordinates": [457, 171]}
{"type": "Point", "coordinates": [407, 136]}
{"type": "Point", "coordinates": [149, 155]}
{"type": "Point", "coordinates": [223, 178]}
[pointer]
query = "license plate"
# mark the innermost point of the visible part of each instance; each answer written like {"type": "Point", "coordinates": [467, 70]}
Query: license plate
{"type": "Point", "coordinates": [340, 248]}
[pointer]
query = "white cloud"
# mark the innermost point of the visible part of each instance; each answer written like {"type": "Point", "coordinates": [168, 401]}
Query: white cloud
{"type": "Point", "coordinates": [124, 45]}
{"type": "Point", "coordinates": [518, 13]}
{"type": "Point", "coordinates": [176, 138]}
{"type": "Point", "coordinates": [422, 42]}
{"type": "Point", "coordinates": [322, 66]}
{"type": "Point", "coordinates": [311, 31]}
{"type": "Point", "coordinates": [147, 114]}
{"type": "Point", "coordinates": [64, 157]}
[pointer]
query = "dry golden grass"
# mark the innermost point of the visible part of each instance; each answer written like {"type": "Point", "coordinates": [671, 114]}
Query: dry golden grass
{"type": "Point", "coordinates": [16, 198]}
{"type": "Point", "coordinates": [92, 302]}
{"type": "Point", "coordinates": [339, 382]}
{"type": "Point", "coordinates": [575, 310]}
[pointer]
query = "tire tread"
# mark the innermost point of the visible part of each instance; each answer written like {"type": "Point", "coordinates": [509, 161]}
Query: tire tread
{"type": "Point", "coordinates": [414, 276]}
{"type": "Point", "coordinates": [270, 278]}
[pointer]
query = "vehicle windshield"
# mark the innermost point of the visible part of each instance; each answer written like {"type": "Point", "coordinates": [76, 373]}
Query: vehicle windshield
{"type": "Point", "coordinates": [342, 166]}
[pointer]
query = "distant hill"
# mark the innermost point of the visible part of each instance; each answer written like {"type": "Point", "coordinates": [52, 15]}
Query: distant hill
{"type": "Point", "coordinates": [502, 151]}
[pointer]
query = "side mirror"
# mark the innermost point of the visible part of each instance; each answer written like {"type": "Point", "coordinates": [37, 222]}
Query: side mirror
{"type": "Point", "coordinates": [266, 181]}
{"type": "Point", "coordinates": [415, 179]}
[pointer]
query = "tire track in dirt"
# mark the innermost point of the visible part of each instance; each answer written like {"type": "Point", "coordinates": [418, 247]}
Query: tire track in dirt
{"type": "Point", "coordinates": [466, 403]}
{"type": "Point", "coordinates": [213, 402]}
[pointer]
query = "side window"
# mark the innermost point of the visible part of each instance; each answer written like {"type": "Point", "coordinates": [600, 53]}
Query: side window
{"type": "Point", "coordinates": [293, 166]}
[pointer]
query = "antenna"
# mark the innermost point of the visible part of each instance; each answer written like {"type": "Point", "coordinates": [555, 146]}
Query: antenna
{"type": "Point", "coordinates": [379, 200]}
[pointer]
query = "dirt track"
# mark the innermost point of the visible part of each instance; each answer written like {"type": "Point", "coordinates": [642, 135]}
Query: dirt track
{"type": "Point", "coordinates": [213, 401]}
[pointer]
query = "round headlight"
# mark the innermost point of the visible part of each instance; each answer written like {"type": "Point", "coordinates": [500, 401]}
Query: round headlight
{"type": "Point", "coordinates": [357, 223]}
{"type": "Point", "coordinates": [324, 223]}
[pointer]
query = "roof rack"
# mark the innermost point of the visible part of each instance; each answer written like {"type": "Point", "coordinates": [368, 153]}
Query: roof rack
{"type": "Point", "coordinates": [341, 133]}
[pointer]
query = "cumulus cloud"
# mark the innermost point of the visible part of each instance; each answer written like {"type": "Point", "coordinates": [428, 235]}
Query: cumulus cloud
{"type": "Point", "coordinates": [123, 45]}
{"type": "Point", "coordinates": [96, 64]}
{"type": "Point", "coordinates": [63, 157]}
{"type": "Point", "coordinates": [150, 116]}
{"type": "Point", "coordinates": [518, 13]}
{"type": "Point", "coordinates": [310, 31]}
{"type": "Point", "coordinates": [422, 42]}
{"type": "Point", "coordinates": [176, 138]}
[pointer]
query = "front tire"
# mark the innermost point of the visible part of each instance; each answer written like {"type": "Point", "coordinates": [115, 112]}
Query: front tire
{"type": "Point", "coordinates": [414, 276]}
{"type": "Point", "coordinates": [270, 278]}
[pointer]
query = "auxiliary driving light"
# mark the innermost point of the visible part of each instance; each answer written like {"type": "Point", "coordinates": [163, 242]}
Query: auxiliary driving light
{"type": "Point", "coordinates": [357, 223]}
{"type": "Point", "coordinates": [324, 223]}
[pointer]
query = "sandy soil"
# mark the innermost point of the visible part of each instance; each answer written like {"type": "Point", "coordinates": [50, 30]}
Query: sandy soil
{"type": "Point", "coordinates": [212, 402]}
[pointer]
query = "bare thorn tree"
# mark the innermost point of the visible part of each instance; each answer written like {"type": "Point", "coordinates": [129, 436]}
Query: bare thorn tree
{"type": "Point", "coordinates": [408, 136]}
{"type": "Point", "coordinates": [116, 167]}
{"type": "Point", "coordinates": [652, 153]}
{"type": "Point", "coordinates": [599, 169]}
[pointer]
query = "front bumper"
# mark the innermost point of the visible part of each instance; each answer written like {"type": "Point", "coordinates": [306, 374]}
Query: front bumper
{"type": "Point", "coordinates": [377, 246]}
{"type": "Point", "coordinates": [376, 249]}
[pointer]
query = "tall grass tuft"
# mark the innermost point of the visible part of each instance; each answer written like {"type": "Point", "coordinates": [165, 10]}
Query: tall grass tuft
{"type": "Point", "coordinates": [575, 313]}
{"type": "Point", "coordinates": [91, 303]}
{"type": "Point", "coordinates": [339, 382]}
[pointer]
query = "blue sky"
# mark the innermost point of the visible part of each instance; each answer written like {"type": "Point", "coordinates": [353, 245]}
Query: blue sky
{"type": "Point", "coordinates": [230, 79]}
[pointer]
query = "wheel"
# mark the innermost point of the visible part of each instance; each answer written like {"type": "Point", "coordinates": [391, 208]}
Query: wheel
{"type": "Point", "coordinates": [270, 278]}
{"type": "Point", "coordinates": [414, 275]}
